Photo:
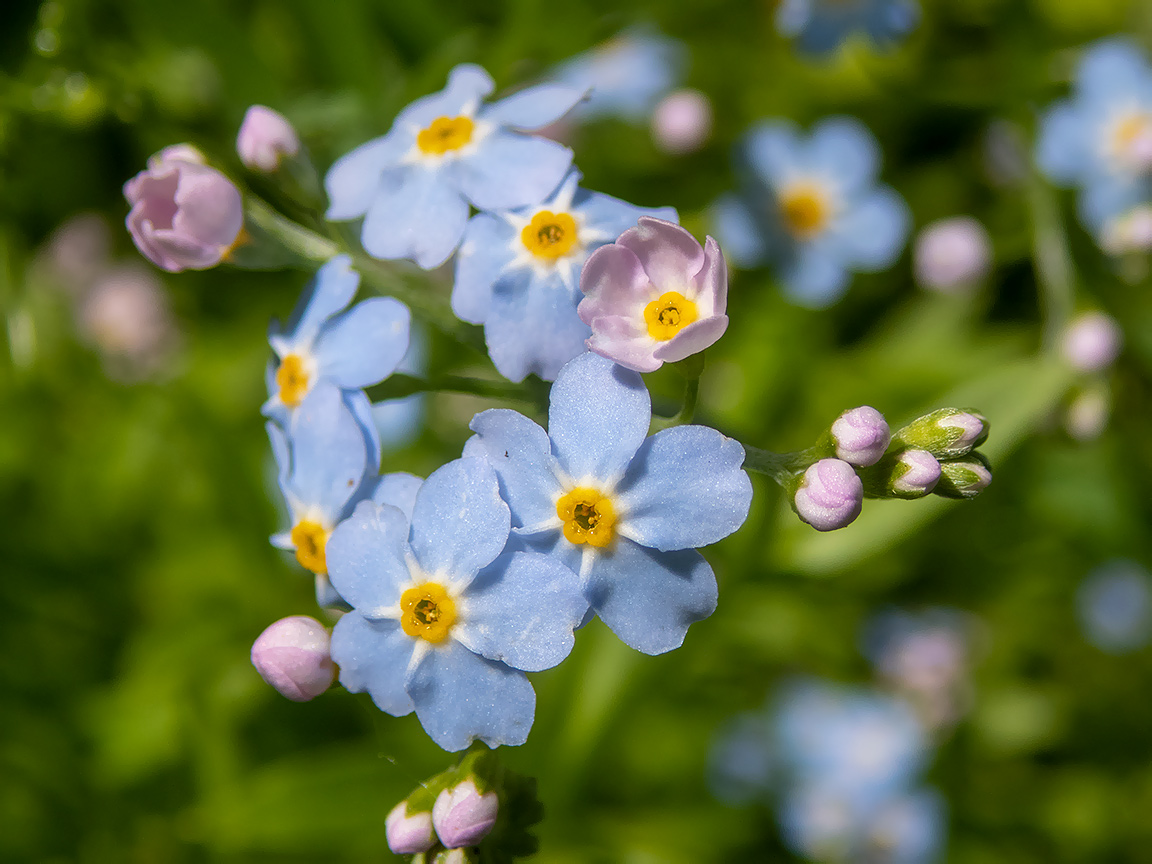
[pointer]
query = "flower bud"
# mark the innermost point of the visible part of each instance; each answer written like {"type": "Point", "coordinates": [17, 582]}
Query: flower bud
{"type": "Point", "coordinates": [861, 436]}
{"type": "Point", "coordinates": [409, 833]}
{"type": "Point", "coordinates": [462, 816]}
{"type": "Point", "coordinates": [914, 475]}
{"type": "Point", "coordinates": [1091, 342]}
{"type": "Point", "coordinates": [964, 478]}
{"type": "Point", "coordinates": [952, 254]}
{"type": "Point", "coordinates": [292, 655]}
{"type": "Point", "coordinates": [946, 433]}
{"type": "Point", "coordinates": [829, 496]}
{"type": "Point", "coordinates": [185, 215]}
{"type": "Point", "coordinates": [265, 138]}
{"type": "Point", "coordinates": [682, 122]}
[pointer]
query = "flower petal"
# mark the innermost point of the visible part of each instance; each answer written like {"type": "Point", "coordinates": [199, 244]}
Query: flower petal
{"type": "Point", "coordinates": [417, 214]}
{"type": "Point", "coordinates": [668, 253]}
{"type": "Point", "coordinates": [520, 453]}
{"type": "Point", "coordinates": [614, 283]}
{"type": "Point", "coordinates": [624, 341]}
{"type": "Point", "coordinates": [373, 656]}
{"type": "Point", "coordinates": [467, 85]}
{"type": "Point", "coordinates": [711, 283]}
{"type": "Point", "coordinates": [532, 326]}
{"type": "Point", "coordinates": [483, 254]}
{"type": "Point", "coordinates": [742, 238]}
{"type": "Point", "coordinates": [813, 278]}
{"type": "Point", "coordinates": [843, 149]}
{"type": "Point", "coordinates": [399, 490]}
{"type": "Point", "coordinates": [872, 233]}
{"type": "Point", "coordinates": [774, 152]}
{"type": "Point", "coordinates": [692, 339]}
{"type": "Point", "coordinates": [329, 454]}
{"type": "Point", "coordinates": [534, 107]}
{"type": "Point", "coordinates": [366, 556]}
{"type": "Point", "coordinates": [511, 170]}
{"type": "Point", "coordinates": [354, 179]}
{"type": "Point", "coordinates": [329, 291]}
{"type": "Point", "coordinates": [365, 344]}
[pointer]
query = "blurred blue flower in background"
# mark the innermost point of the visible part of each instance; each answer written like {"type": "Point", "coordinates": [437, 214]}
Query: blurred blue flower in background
{"type": "Point", "coordinates": [518, 274]}
{"type": "Point", "coordinates": [820, 26]}
{"type": "Point", "coordinates": [812, 208]}
{"type": "Point", "coordinates": [1100, 139]}
{"type": "Point", "coordinates": [1114, 604]}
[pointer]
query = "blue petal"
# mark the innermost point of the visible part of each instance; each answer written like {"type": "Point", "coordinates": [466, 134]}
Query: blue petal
{"type": "Point", "coordinates": [649, 598]}
{"type": "Point", "coordinates": [1106, 197]}
{"type": "Point", "coordinates": [598, 417]}
{"type": "Point", "coordinates": [365, 344]}
{"type": "Point", "coordinates": [612, 217]}
{"type": "Point", "coordinates": [684, 489]}
{"type": "Point", "coordinates": [532, 325]}
{"type": "Point", "coordinates": [738, 233]}
{"type": "Point", "coordinates": [328, 597]}
{"type": "Point", "coordinates": [328, 452]}
{"type": "Point", "coordinates": [872, 232]}
{"type": "Point", "coordinates": [843, 149]}
{"type": "Point", "coordinates": [520, 453]}
{"type": "Point", "coordinates": [361, 408]}
{"type": "Point", "coordinates": [399, 490]}
{"type": "Point", "coordinates": [813, 278]}
{"type": "Point", "coordinates": [1112, 67]}
{"type": "Point", "coordinates": [374, 656]}
{"type": "Point", "coordinates": [534, 107]}
{"type": "Point", "coordinates": [398, 421]}
{"type": "Point", "coordinates": [510, 170]}
{"type": "Point", "coordinates": [418, 214]}
{"type": "Point", "coordinates": [331, 289]}
{"type": "Point", "coordinates": [280, 452]}
{"type": "Point", "coordinates": [774, 151]}
{"type": "Point", "coordinates": [522, 610]}
{"type": "Point", "coordinates": [366, 557]}
{"type": "Point", "coordinates": [353, 180]}
{"type": "Point", "coordinates": [460, 697]}
{"type": "Point", "coordinates": [550, 542]}
{"type": "Point", "coordinates": [1062, 150]}
{"type": "Point", "coordinates": [484, 252]}
{"type": "Point", "coordinates": [459, 522]}
{"type": "Point", "coordinates": [467, 85]}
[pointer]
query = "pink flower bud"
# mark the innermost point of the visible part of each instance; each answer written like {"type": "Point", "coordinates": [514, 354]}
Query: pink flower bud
{"type": "Point", "coordinates": [682, 121]}
{"type": "Point", "coordinates": [185, 215]}
{"type": "Point", "coordinates": [952, 254]}
{"type": "Point", "coordinates": [409, 833]}
{"type": "Point", "coordinates": [916, 473]}
{"type": "Point", "coordinates": [1092, 342]}
{"type": "Point", "coordinates": [462, 816]}
{"type": "Point", "coordinates": [830, 495]}
{"type": "Point", "coordinates": [265, 137]}
{"type": "Point", "coordinates": [972, 428]}
{"type": "Point", "coordinates": [861, 436]}
{"type": "Point", "coordinates": [292, 655]}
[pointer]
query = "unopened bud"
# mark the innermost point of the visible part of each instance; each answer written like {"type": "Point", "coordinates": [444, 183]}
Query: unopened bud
{"type": "Point", "coordinates": [830, 495]}
{"type": "Point", "coordinates": [952, 254]}
{"type": "Point", "coordinates": [964, 478]}
{"type": "Point", "coordinates": [946, 433]}
{"type": "Point", "coordinates": [462, 816]}
{"type": "Point", "coordinates": [1091, 342]}
{"type": "Point", "coordinates": [409, 833]}
{"type": "Point", "coordinates": [861, 436]}
{"type": "Point", "coordinates": [292, 655]}
{"type": "Point", "coordinates": [682, 121]}
{"type": "Point", "coordinates": [265, 138]}
{"type": "Point", "coordinates": [914, 475]}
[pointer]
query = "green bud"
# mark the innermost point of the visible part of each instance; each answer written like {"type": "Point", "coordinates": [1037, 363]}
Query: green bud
{"type": "Point", "coordinates": [964, 478]}
{"type": "Point", "coordinates": [946, 433]}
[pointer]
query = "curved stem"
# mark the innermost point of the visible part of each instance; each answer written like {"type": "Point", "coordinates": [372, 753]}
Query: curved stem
{"type": "Point", "coordinates": [781, 467]}
{"type": "Point", "coordinates": [1054, 270]}
{"type": "Point", "coordinates": [398, 386]}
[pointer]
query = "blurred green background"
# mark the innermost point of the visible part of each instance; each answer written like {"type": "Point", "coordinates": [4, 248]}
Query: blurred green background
{"type": "Point", "coordinates": [136, 499]}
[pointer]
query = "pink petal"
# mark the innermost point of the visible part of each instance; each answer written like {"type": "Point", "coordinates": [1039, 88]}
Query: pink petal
{"type": "Point", "coordinates": [622, 341]}
{"type": "Point", "coordinates": [692, 339]}
{"type": "Point", "coordinates": [613, 283]}
{"type": "Point", "coordinates": [669, 255]}
{"type": "Point", "coordinates": [712, 282]}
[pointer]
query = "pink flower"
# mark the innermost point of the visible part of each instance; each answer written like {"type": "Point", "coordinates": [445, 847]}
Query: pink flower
{"type": "Point", "coordinates": [682, 122]}
{"type": "Point", "coordinates": [185, 215]}
{"type": "Point", "coordinates": [654, 295]}
{"type": "Point", "coordinates": [265, 137]}
{"type": "Point", "coordinates": [292, 655]}
{"type": "Point", "coordinates": [830, 495]}
{"type": "Point", "coordinates": [952, 255]}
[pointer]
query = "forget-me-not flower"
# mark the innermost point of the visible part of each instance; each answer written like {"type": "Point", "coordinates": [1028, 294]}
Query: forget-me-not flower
{"type": "Point", "coordinates": [518, 274]}
{"type": "Point", "coordinates": [1114, 605]}
{"type": "Point", "coordinates": [820, 26]}
{"type": "Point", "coordinates": [1100, 140]}
{"type": "Point", "coordinates": [445, 619]}
{"type": "Point", "coordinates": [623, 510]}
{"type": "Point", "coordinates": [444, 151]}
{"type": "Point", "coordinates": [812, 208]}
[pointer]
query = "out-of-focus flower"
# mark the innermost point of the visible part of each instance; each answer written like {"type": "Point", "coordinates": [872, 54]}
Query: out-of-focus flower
{"type": "Point", "coordinates": [445, 151]}
{"type": "Point", "coordinates": [1115, 607]}
{"type": "Point", "coordinates": [952, 255]}
{"type": "Point", "coordinates": [1086, 417]}
{"type": "Point", "coordinates": [682, 122]}
{"type": "Point", "coordinates": [462, 816]}
{"type": "Point", "coordinates": [812, 208]}
{"type": "Point", "coordinates": [125, 314]}
{"type": "Point", "coordinates": [625, 76]}
{"type": "Point", "coordinates": [829, 496]}
{"type": "Point", "coordinates": [265, 138]}
{"type": "Point", "coordinates": [741, 761]}
{"type": "Point", "coordinates": [185, 215]}
{"type": "Point", "coordinates": [860, 436]}
{"type": "Point", "coordinates": [820, 26]}
{"type": "Point", "coordinates": [1092, 342]}
{"type": "Point", "coordinates": [654, 296]}
{"type": "Point", "coordinates": [623, 510]}
{"type": "Point", "coordinates": [77, 251]}
{"type": "Point", "coordinates": [292, 655]}
{"type": "Point", "coordinates": [409, 833]}
{"type": "Point", "coordinates": [518, 274]}
{"type": "Point", "coordinates": [1128, 233]}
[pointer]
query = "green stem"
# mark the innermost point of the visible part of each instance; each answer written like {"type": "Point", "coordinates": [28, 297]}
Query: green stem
{"type": "Point", "coordinates": [1054, 270]}
{"type": "Point", "coordinates": [781, 467]}
{"type": "Point", "coordinates": [398, 386]}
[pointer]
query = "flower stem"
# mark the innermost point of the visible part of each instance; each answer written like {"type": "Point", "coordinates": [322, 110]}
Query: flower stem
{"type": "Point", "coordinates": [398, 386]}
{"type": "Point", "coordinates": [1054, 270]}
{"type": "Point", "coordinates": [781, 467]}
{"type": "Point", "coordinates": [691, 368]}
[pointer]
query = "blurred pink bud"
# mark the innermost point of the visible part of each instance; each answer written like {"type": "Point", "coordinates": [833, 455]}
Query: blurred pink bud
{"type": "Point", "coordinates": [916, 474]}
{"type": "Point", "coordinates": [830, 495]}
{"type": "Point", "coordinates": [126, 315]}
{"type": "Point", "coordinates": [292, 655]}
{"type": "Point", "coordinates": [655, 295]}
{"type": "Point", "coordinates": [952, 254]}
{"type": "Point", "coordinates": [1087, 416]}
{"type": "Point", "coordinates": [682, 121]}
{"type": "Point", "coordinates": [861, 436]}
{"type": "Point", "coordinates": [409, 833]}
{"type": "Point", "coordinates": [265, 137]}
{"type": "Point", "coordinates": [77, 251]}
{"type": "Point", "coordinates": [462, 816]}
{"type": "Point", "coordinates": [1092, 342]}
{"type": "Point", "coordinates": [185, 215]}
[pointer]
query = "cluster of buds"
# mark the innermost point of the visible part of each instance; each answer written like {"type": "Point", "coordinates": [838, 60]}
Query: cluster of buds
{"type": "Point", "coordinates": [859, 457]}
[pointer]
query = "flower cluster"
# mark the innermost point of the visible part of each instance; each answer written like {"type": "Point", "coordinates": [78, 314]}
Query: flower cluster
{"type": "Point", "coordinates": [821, 26]}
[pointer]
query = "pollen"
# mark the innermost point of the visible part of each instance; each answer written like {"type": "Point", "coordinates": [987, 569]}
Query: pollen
{"type": "Point", "coordinates": [292, 379]}
{"type": "Point", "coordinates": [587, 516]}
{"type": "Point", "coordinates": [427, 612]}
{"type": "Point", "coordinates": [668, 315]}
{"type": "Point", "coordinates": [550, 235]}
{"type": "Point", "coordinates": [805, 209]}
{"type": "Point", "coordinates": [444, 135]}
{"type": "Point", "coordinates": [310, 538]}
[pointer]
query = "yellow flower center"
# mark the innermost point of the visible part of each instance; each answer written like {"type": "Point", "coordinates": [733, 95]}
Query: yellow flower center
{"type": "Point", "coordinates": [804, 209]}
{"type": "Point", "coordinates": [427, 612]}
{"type": "Point", "coordinates": [1128, 131]}
{"type": "Point", "coordinates": [668, 315]}
{"type": "Point", "coordinates": [549, 235]}
{"type": "Point", "coordinates": [588, 517]}
{"type": "Point", "coordinates": [292, 380]}
{"type": "Point", "coordinates": [310, 538]}
{"type": "Point", "coordinates": [445, 134]}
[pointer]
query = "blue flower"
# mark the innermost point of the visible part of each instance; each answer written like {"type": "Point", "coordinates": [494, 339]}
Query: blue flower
{"type": "Point", "coordinates": [398, 421]}
{"type": "Point", "coordinates": [819, 26]}
{"type": "Point", "coordinates": [1100, 140]}
{"type": "Point", "coordinates": [626, 75]}
{"type": "Point", "coordinates": [445, 619]}
{"type": "Point", "coordinates": [324, 341]}
{"type": "Point", "coordinates": [812, 207]}
{"type": "Point", "coordinates": [1115, 607]}
{"type": "Point", "coordinates": [622, 510]}
{"type": "Point", "coordinates": [518, 274]}
{"type": "Point", "coordinates": [413, 185]}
